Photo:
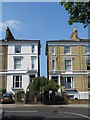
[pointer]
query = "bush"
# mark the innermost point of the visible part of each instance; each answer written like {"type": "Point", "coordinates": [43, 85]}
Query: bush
{"type": "Point", "coordinates": [3, 91]}
{"type": "Point", "coordinates": [20, 95]}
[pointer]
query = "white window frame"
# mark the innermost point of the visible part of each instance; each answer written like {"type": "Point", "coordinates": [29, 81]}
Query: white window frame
{"type": "Point", "coordinates": [71, 63]}
{"type": "Point", "coordinates": [15, 49]}
{"type": "Point", "coordinates": [53, 53]}
{"type": "Point", "coordinates": [65, 49]}
{"type": "Point", "coordinates": [14, 81]}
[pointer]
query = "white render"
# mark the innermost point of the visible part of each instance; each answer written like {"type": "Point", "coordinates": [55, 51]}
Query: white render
{"type": "Point", "coordinates": [25, 70]}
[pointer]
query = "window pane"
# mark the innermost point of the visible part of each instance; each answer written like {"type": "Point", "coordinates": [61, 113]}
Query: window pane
{"type": "Point", "coordinates": [20, 81]}
{"type": "Point", "coordinates": [17, 63]}
{"type": "Point", "coordinates": [53, 49]}
{"type": "Point", "coordinates": [17, 81]}
{"type": "Point", "coordinates": [18, 49]}
{"type": "Point", "coordinates": [53, 64]}
{"type": "Point", "coordinates": [68, 83]}
{"type": "Point", "coordinates": [33, 48]}
{"type": "Point", "coordinates": [66, 49]}
{"type": "Point", "coordinates": [33, 62]}
{"type": "Point", "coordinates": [67, 64]}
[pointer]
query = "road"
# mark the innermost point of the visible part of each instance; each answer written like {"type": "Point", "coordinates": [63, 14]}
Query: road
{"type": "Point", "coordinates": [43, 113]}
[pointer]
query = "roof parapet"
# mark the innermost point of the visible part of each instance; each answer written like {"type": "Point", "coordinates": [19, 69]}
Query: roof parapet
{"type": "Point", "coordinates": [9, 35]}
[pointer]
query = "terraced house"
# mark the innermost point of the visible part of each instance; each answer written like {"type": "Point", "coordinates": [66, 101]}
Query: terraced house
{"type": "Point", "coordinates": [22, 62]}
{"type": "Point", "coordinates": [68, 63]}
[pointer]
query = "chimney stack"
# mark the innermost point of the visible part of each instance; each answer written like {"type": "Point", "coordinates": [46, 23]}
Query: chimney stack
{"type": "Point", "coordinates": [9, 34]}
{"type": "Point", "coordinates": [74, 35]}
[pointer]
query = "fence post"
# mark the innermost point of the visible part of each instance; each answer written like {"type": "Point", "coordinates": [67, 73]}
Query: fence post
{"type": "Point", "coordinates": [25, 98]}
{"type": "Point", "coordinates": [16, 98]}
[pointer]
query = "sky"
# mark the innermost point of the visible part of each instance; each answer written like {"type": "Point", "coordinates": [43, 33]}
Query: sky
{"type": "Point", "coordinates": [39, 20]}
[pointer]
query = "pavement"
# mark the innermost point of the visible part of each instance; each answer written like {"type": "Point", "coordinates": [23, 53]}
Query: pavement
{"type": "Point", "coordinates": [42, 105]}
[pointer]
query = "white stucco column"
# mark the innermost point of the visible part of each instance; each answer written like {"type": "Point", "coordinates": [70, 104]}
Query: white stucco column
{"type": "Point", "coordinates": [71, 83]}
{"type": "Point", "coordinates": [50, 77]}
{"type": "Point", "coordinates": [36, 75]}
{"type": "Point", "coordinates": [59, 82]}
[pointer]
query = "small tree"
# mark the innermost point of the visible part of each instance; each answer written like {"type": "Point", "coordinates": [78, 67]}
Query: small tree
{"type": "Point", "coordinates": [34, 87]}
{"type": "Point", "coordinates": [37, 86]}
{"type": "Point", "coordinates": [52, 86]}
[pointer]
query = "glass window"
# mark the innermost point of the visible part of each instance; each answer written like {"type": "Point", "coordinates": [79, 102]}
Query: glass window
{"type": "Point", "coordinates": [18, 49]}
{"type": "Point", "coordinates": [17, 63]}
{"type": "Point", "coordinates": [89, 82]}
{"type": "Point", "coordinates": [53, 49]}
{"type": "Point", "coordinates": [17, 81]}
{"type": "Point", "coordinates": [68, 65]}
{"type": "Point", "coordinates": [53, 64]}
{"type": "Point", "coordinates": [67, 49]}
{"type": "Point", "coordinates": [68, 82]}
{"type": "Point", "coordinates": [33, 47]}
{"type": "Point", "coordinates": [33, 62]}
{"type": "Point", "coordinates": [87, 49]}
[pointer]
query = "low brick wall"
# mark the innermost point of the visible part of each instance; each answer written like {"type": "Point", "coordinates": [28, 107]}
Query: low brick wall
{"type": "Point", "coordinates": [78, 101]}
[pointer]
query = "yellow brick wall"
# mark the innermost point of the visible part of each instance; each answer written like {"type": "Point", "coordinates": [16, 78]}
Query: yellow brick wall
{"type": "Point", "coordinates": [78, 63]}
{"type": "Point", "coordinates": [3, 65]}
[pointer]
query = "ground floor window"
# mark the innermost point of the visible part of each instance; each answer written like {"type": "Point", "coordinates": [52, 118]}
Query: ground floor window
{"type": "Point", "coordinates": [69, 83]}
{"type": "Point", "coordinates": [17, 81]}
{"type": "Point", "coordinates": [55, 78]}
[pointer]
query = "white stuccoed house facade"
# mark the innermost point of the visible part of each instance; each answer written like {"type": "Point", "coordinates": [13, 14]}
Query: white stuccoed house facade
{"type": "Point", "coordinates": [22, 64]}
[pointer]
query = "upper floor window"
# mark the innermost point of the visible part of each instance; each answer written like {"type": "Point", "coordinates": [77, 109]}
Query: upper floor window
{"type": "Point", "coordinates": [87, 49]}
{"type": "Point", "coordinates": [18, 49]}
{"type": "Point", "coordinates": [17, 81]}
{"type": "Point", "coordinates": [53, 49]}
{"type": "Point", "coordinates": [33, 62]}
{"type": "Point", "coordinates": [33, 48]}
{"type": "Point", "coordinates": [53, 64]}
{"type": "Point", "coordinates": [67, 49]}
{"type": "Point", "coordinates": [17, 63]}
{"type": "Point", "coordinates": [68, 65]}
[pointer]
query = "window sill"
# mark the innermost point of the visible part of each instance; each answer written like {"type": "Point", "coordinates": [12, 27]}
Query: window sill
{"type": "Point", "coordinates": [16, 88]}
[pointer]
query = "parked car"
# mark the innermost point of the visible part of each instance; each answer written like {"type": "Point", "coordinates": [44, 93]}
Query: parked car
{"type": "Point", "coordinates": [7, 98]}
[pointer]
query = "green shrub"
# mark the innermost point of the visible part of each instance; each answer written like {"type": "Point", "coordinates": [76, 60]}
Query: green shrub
{"type": "Point", "coordinates": [3, 90]}
{"type": "Point", "coordinates": [20, 94]}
